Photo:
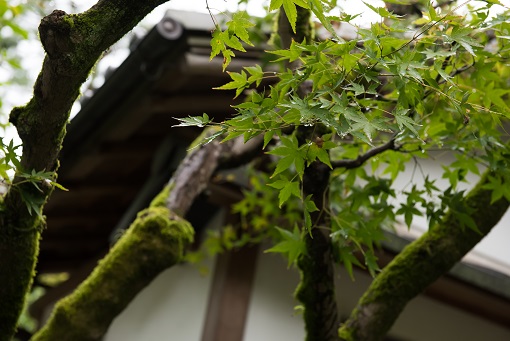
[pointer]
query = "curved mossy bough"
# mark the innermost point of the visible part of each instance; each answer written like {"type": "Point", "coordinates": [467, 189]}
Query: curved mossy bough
{"type": "Point", "coordinates": [155, 241]}
{"type": "Point", "coordinates": [420, 264]}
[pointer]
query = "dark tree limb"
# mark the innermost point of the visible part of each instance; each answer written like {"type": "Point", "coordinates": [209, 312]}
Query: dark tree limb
{"type": "Point", "coordinates": [73, 44]}
{"type": "Point", "coordinates": [231, 154]}
{"type": "Point", "coordinates": [361, 159]}
{"type": "Point", "coordinates": [420, 264]}
{"type": "Point", "coordinates": [192, 176]}
{"type": "Point", "coordinates": [242, 153]}
{"type": "Point", "coordinates": [316, 290]}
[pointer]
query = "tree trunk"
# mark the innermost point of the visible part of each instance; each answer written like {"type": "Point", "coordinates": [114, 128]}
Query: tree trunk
{"type": "Point", "coordinates": [316, 290]}
{"type": "Point", "coordinates": [73, 44]}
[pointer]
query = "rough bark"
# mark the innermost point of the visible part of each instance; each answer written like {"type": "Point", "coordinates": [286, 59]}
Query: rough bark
{"type": "Point", "coordinates": [316, 290]}
{"type": "Point", "coordinates": [192, 176]}
{"type": "Point", "coordinates": [73, 44]}
{"type": "Point", "coordinates": [304, 28]}
{"type": "Point", "coordinates": [420, 264]}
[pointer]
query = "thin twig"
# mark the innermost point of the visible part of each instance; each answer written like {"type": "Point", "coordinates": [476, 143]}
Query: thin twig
{"type": "Point", "coordinates": [360, 160]}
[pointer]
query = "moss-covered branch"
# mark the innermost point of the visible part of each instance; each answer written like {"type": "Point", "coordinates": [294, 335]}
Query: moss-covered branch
{"type": "Point", "coordinates": [19, 245]}
{"type": "Point", "coordinates": [155, 241]}
{"type": "Point", "coordinates": [73, 44]}
{"type": "Point", "coordinates": [419, 265]}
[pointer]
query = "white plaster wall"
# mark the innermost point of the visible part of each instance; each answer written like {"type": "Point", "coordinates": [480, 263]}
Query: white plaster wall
{"type": "Point", "coordinates": [172, 307]}
{"type": "Point", "coordinates": [271, 314]}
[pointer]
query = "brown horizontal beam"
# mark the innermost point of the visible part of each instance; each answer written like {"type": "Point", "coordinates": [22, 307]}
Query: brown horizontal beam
{"type": "Point", "coordinates": [106, 164]}
{"type": "Point", "coordinates": [91, 198]}
{"type": "Point", "coordinates": [71, 248]}
{"type": "Point", "coordinates": [182, 105]}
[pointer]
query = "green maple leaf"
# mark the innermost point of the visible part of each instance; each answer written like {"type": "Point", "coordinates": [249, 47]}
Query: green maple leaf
{"type": "Point", "coordinates": [292, 245]}
{"type": "Point", "coordinates": [310, 112]}
{"type": "Point", "coordinates": [289, 6]}
{"type": "Point", "coordinates": [403, 120]}
{"type": "Point", "coordinates": [291, 155]}
{"type": "Point", "coordinates": [256, 74]}
{"type": "Point", "coordinates": [498, 189]}
{"type": "Point", "coordinates": [232, 41]}
{"type": "Point", "coordinates": [193, 121]}
{"type": "Point", "coordinates": [310, 206]}
{"type": "Point", "coordinates": [239, 83]}
{"type": "Point", "coordinates": [287, 188]}
{"type": "Point", "coordinates": [318, 10]}
{"type": "Point", "coordinates": [292, 53]}
{"type": "Point", "coordinates": [223, 41]}
{"type": "Point", "coordinates": [359, 122]}
{"type": "Point", "coordinates": [314, 151]}
{"type": "Point", "coordinates": [238, 26]}
{"type": "Point", "coordinates": [217, 44]}
{"type": "Point", "coordinates": [382, 11]}
{"type": "Point", "coordinates": [461, 36]}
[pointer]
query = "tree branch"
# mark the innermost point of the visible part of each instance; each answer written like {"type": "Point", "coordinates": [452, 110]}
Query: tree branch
{"type": "Point", "coordinates": [73, 44]}
{"type": "Point", "coordinates": [153, 243]}
{"type": "Point", "coordinates": [360, 160]}
{"type": "Point", "coordinates": [420, 264]}
{"type": "Point", "coordinates": [241, 153]}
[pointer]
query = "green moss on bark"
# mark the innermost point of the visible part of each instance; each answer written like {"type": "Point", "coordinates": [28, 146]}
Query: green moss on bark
{"type": "Point", "coordinates": [73, 44]}
{"type": "Point", "coordinates": [18, 252]}
{"type": "Point", "coordinates": [161, 198]}
{"type": "Point", "coordinates": [154, 242]}
{"type": "Point", "coordinates": [19, 245]}
{"type": "Point", "coordinates": [316, 290]}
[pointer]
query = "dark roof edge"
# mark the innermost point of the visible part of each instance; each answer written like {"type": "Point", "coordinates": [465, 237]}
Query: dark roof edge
{"type": "Point", "coordinates": [166, 41]}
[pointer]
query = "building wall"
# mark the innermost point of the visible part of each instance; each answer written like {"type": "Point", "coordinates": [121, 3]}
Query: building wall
{"type": "Point", "coordinates": [271, 316]}
{"type": "Point", "coordinates": [173, 308]}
